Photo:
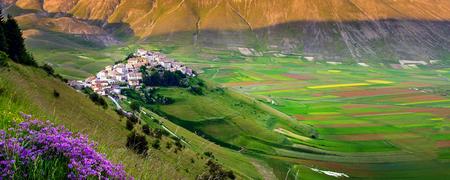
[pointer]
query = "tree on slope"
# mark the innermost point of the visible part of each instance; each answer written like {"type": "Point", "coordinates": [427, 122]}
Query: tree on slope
{"type": "Point", "coordinates": [16, 46]}
{"type": "Point", "coordinates": [3, 43]}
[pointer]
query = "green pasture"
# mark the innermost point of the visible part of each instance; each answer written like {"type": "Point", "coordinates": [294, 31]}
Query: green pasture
{"type": "Point", "coordinates": [224, 117]}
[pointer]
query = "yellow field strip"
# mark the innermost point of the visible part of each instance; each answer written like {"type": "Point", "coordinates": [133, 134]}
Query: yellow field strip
{"type": "Point", "coordinates": [380, 82]}
{"type": "Point", "coordinates": [369, 82]}
{"type": "Point", "coordinates": [425, 102]}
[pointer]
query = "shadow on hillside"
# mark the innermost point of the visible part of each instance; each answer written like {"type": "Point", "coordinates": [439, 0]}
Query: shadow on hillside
{"type": "Point", "coordinates": [116, 32]}
{"type": "Point", "coordinates": [388, 39]}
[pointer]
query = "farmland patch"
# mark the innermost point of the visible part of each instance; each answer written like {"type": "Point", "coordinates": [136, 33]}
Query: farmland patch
{"type": "Point", "coordinates": [298, 76]}
{"type": "Point", "coordinates": [443, 144]}
{"type": "Point", "coordinates": [374, 92]}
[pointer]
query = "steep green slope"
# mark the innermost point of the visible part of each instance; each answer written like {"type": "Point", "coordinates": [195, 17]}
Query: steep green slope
{"type": "Point", "coordinates": [30, 90]}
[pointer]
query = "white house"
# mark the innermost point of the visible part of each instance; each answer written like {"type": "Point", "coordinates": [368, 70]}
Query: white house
{"type": "Point", "coordinates": [363, 64]}
{"type": "Point", "coordinates": [334, 63]}
{"type": "Point", "coordinates": [134, 76]}
{"type": "Point", "coordinates": [309, 58]}
{"type": "Point", "coordinates": [120, 77]}
{"type": "Point", "coordinates": [102, 75]}
{"type": "Point", "coordinates": [141, 52]}
{"type": "Point", "coordinates": [108, 68]}
{"type": "Point", "coordinates": [134, 83]}
{"type": "Point", "coordinates": [130, 68]}
{"type": "Point", "coordinates": [411, 62]}
{"type": "Point", "coordinates": [120, 68]}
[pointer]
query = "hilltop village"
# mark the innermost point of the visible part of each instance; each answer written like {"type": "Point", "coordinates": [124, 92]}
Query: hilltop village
{"type": "Point", "coordinates": [112, 79]}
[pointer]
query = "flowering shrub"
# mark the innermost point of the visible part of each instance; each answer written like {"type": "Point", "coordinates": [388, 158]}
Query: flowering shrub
{"type": "Point", "coordinates": [38, 149]}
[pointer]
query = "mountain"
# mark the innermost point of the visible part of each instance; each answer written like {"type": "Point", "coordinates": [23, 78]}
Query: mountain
{"type": "Point", "coordinates": [331, 29]}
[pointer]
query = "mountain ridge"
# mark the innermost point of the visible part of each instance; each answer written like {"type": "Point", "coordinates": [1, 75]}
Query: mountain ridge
{"type": "Point", "coordinates": [360, 29]}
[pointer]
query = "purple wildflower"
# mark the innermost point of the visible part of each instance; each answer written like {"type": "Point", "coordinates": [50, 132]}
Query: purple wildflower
{"type": "Point", "coordinates": [33, 138]}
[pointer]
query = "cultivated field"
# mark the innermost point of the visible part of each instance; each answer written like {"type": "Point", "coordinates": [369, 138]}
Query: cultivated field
{"type": "Point", "coordinates": [371, 121]}
{"type": "Point", "coordinates": [391, 123]}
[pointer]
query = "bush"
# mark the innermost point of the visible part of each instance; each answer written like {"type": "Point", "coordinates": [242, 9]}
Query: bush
{"type": "Point", "coordinates": [56, 93]}
{"type": "Point", "coordinates": [97, 99]}
{"type": "Point", "coordinates": [138, 143]}
{"type": "Point", "coordinates": [201, 84]}
{"type": "Point", "coordinates": [219, 90]}
{"type": "Point", "coordinates": [196, 90]}
{"type": "Point", "coordinates": [215, 171]}
{"type": "Point", "coordinates": [3, 59]}
{"type": "Point", "coordinates": [178, 144]}
{"type": "Point", "coordinates": [168, 145]}
{"type": "Point", "coordinates": [129, 125]}
{"type": "Point", "coordinates": [146, 129]}
{"type": "Point", "coordinates": [209, 154]}
{"type": "Point", "coordinates": [157, 133]}
{"type": "Point", "coordinates": [120, 112]}
{"type": "Point", "coordinates": [49, 69]}
{"type": "Point", "coordinates": [135, 106]}
{"type": "Point", "coordinates": [156, 144]}
{"type": "Point", "coordinates": [133, 118]}
{"type": "Point", "coordinates": [61, 78]}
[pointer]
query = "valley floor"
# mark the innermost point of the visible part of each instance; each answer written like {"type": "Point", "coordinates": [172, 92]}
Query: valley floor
{"type": "Point", "coordinates": [381, 122]}
{"type": "Point", "coordinates": [371, 121]}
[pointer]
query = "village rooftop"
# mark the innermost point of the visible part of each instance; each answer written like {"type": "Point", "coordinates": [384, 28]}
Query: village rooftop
{"type": "Point", "coordinates": [113, 78]}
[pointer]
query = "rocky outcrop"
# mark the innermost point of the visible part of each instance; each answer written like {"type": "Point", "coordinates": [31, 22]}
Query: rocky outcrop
{"type": "Point", "coordinates": [56, 6]}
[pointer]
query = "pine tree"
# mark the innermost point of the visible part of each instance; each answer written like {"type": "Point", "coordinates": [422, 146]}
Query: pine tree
{"type": "Point", "coordinates": [16, 45]}
{"type": "Point", "coordinates": [2, 18]}
{"type": "Point", "coordinates": [3, 43]}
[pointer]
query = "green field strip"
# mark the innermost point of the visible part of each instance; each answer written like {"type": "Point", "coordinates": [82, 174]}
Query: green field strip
{"type": "Point", "coordinates": [344, 120]}
{"type": "Point", "coordinates": [349, 146]}
{"type": "Point", "coordinates": [383, 114]}
{"type": "Point", "coordinates": [349, 159]}
{"type": "Point", "coordinates": [441, 136]}
{"type": "Point", "coordinates": [407, 117]}
{"type": "Point", "coordinates": [444, 153]}
{"type": "Point", "coordinates": [365, 130]}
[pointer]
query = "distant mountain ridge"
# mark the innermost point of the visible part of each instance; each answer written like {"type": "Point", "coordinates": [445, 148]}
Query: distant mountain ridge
{"type": "Point", "coordinates": [335, 29]}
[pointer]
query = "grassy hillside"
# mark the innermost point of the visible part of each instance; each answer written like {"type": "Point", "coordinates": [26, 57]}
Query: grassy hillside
{"type": "Point", "coordinates": [30, 90]}
{"type": "Point", "coordinates": [225, 118]}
